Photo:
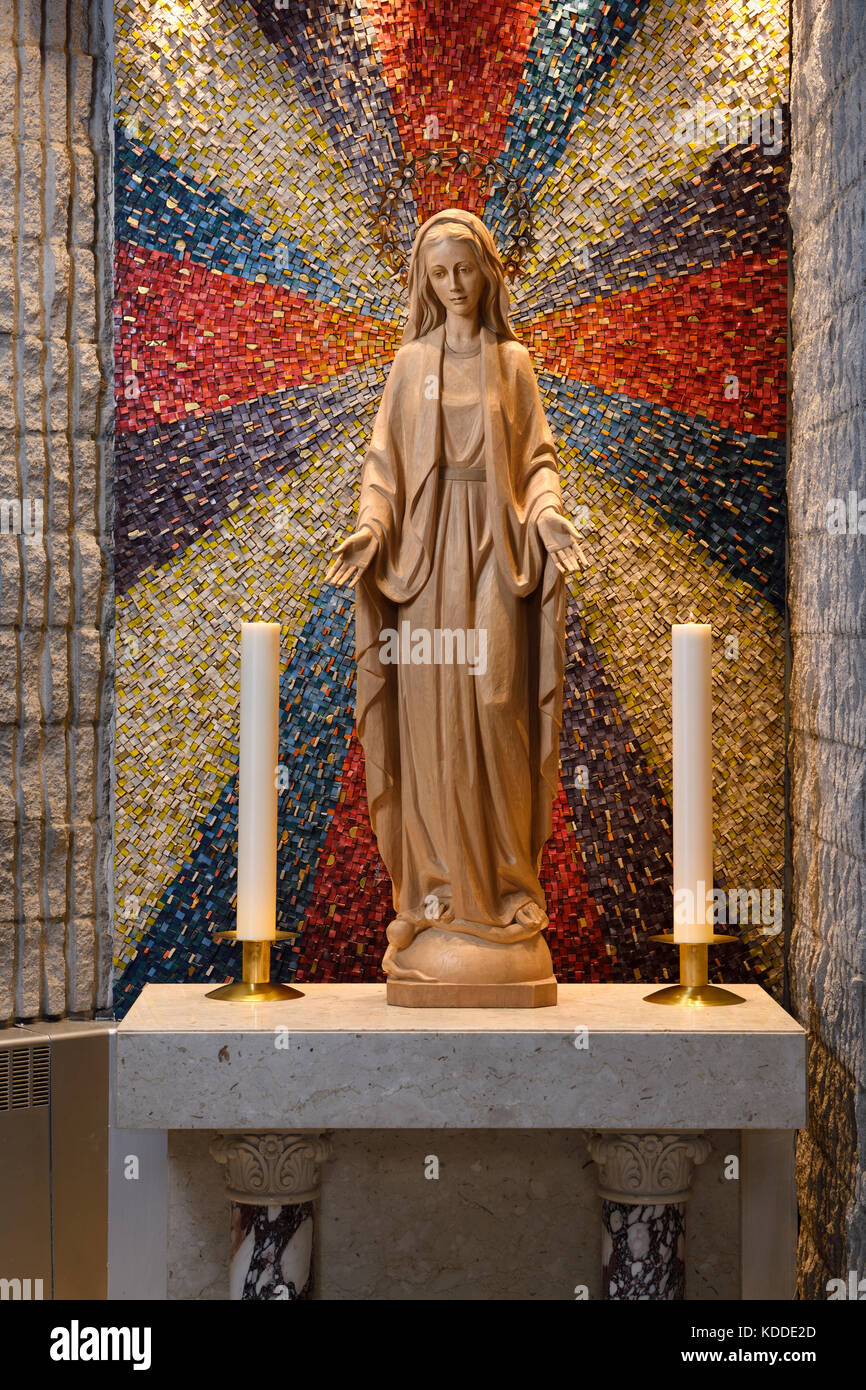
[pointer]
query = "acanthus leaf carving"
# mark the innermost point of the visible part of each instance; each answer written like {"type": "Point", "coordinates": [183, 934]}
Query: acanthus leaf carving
{"type": "Point", "coordinates": [271, 1168]}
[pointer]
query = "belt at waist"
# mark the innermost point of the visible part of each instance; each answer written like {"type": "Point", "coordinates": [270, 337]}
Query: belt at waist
{"type": "Point", "coordinates": [462, 475]}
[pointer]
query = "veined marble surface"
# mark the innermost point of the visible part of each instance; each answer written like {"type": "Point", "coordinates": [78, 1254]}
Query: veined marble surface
{"type": "Point", "coordinates": [340, 1057]}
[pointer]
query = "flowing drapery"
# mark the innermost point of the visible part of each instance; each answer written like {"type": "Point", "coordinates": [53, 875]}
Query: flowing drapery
{"type": "Point", "coordinates": [401, 503]}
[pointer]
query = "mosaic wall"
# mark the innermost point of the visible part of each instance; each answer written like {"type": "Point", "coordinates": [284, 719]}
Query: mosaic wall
{"type": "Point", "coordinates": [273, 161]}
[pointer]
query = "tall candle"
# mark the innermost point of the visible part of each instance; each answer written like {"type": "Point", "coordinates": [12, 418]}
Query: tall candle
{"type": "Point", "coordinates": [693, 782]}
{"type": "Point", "coordinates": [257, 782]}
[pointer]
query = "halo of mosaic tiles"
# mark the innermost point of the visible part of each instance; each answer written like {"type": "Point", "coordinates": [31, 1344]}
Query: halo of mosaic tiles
{"type": "Point", "coordinates": [256, 318]}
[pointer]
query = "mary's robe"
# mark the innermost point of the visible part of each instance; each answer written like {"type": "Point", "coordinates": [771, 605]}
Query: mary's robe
{"type": "Point", "coordinates": [461, 766]}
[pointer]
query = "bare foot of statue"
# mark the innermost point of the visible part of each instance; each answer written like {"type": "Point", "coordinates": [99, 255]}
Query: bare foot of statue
{"type": "Point", "coordinates": [402, 931]}
{"type": "Point", "coordinates": [531, 915]}
{"type": "Point", "coordinates": [437, 909]}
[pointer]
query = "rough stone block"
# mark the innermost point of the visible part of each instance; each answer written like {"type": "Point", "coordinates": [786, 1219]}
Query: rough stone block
{"type": "Point", "coordinates": [82, 965]}
{"type": "Point", "coordinates": [82, 97]}
{"type": "Point", "coordinates": [10, 588]}
{"type": "Point", "coordinates": [28, 21]}
{"type": "Point", "coordinates": [831, 463]}
{"type": "Point", "coordinates": [84, 321]}
{"type": "Point", "coordinates": [54, 994]}
{"type": "Point", "coordinates": [87, 485]}
{"type": "Point", "coordinates": [7, 971]}
{"type": "Point", "coordinates": [9, 737]}
{"type": "Point", "coordinates": [84, 866]}
{"type": "Point", "coordinates": [58, 171]}
{"type": "Point", "coordinates": [9, 667]}
{"type": "Point", "coordinates": [91, 385]}
{"type": "Point", "coordinates": [29, 932]}
{"type": "Point", "coordinates": [29, 788]}
{"type": "Point", "coordinates": [35, 566]}
{"type": "Point", "coordinates": [55, 868]}
{"type": "Point", "coordinates": [30, 860]}
{"type": "Point", "coordinates": [8, 412]}
{"type": "Point", "coordinates": [60, 613]}
{"type": "Point", "coordinates": [827, 592]}
{"type": "Point", "coordinates": [55, 773]}
{"type": "Point", "coordinates": [829, 792]}
{"type": "Point", "coordinates": [56, 699]}
{"type": "Point", "coordinates": [55, 287]}
{"type": "Point", "coordinates": [88, 664]}
{"type": "Point", "coordinates": [8, 843]}
{"type": "Point", "coordinates": [29, 93]}
{"type": "Point", "coordinates": [89, 566]}
{"type": "Point", "coordinates": [57, 382]}
{"type": "Point", "coordinates": [83, 806]}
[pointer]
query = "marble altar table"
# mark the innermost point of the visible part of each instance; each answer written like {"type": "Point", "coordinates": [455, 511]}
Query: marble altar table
{"type": "Point", "coordinates": [644, 1082]}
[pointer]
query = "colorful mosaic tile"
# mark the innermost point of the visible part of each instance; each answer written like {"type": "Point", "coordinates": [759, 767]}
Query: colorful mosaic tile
{"type": "Point", "coordinates": [256, 320]}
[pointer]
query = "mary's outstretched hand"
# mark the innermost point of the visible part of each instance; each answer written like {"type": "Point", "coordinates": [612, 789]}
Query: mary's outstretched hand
{"type": "Point", "coordinates": [352, 557]}
{"type": "Point", "coordinates": [560, 537]}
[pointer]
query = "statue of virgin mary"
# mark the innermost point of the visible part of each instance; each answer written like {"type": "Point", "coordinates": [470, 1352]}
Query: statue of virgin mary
{"type": "Point", "coordinates": [459, 562]}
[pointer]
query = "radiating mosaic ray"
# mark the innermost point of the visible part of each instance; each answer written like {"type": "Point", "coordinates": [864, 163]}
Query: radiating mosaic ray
{"type": "Point", "coordinates": [631, 148]}
{"type": "Point", "coordinates": [203, 85]}
{"type": "Point", "coordinates": [331, 56]}
{"type": "Point", "coordinates": [161, 208]}
{"type": "Point", "coordinates": [453, 69]}
{"type": "Point", "coordinates": [256, 312]}
{"type": "Point", "coordinates": [340, 943]}
{"type": "Point", "coordinates": [734, 207]}
{"type": "Point", "coordinates": [177, 652]}
{"type": "Point", "coordinates": [723, 489]}
{"type": "Point", "coordinates": [182, 479]}
{"type": "Point", "coordinates": [220, 338]}
{"type": "Point", "coordinates": [642, 576]}
{"type": "Point", "coordinates": [579, 948]}
{"type": "Point", "coordinates": [619, 812]}
{"type": "Point", "coordinates": [652, 343]}
{"type": "Point", "coordinates": [573, 49]}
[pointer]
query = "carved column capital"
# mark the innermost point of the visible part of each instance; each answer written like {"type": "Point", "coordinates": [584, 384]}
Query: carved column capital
{"type": "Point", "coordinates": [646, 1168]}
{"type": "Point", "coordinates": [271, 1168]}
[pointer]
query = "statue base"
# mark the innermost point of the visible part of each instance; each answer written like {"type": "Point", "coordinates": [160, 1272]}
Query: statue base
{"type": "Point", "coordinates": [444, 968]}
{"type": "Point", "coordinates": [417, 994]}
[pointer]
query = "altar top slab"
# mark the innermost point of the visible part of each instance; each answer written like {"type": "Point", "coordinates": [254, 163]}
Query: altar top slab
{"type": "Point", "coordinates": [349, 1008]}
{"type": "Point", "coordinates": [342, 1058]}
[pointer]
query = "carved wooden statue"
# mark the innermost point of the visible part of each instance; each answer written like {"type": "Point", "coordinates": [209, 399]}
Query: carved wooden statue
{"type": "Point", "coordinates": [459, 560]}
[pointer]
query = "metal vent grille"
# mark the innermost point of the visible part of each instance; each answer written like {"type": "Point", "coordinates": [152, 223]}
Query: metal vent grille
{"type": "Point", "coordinates": [25, 1076]}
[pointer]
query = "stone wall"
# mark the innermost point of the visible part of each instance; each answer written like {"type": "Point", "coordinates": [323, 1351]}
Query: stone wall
{"type": "Point", "coordinates": [56, 421]}
{"type": "Point", "coordinates": [828, 625]}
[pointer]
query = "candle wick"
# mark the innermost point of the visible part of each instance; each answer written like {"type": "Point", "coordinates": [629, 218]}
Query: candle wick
{"type": "Point", "coordinates": [692, 618]}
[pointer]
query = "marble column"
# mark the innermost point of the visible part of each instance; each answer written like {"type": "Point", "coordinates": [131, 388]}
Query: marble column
{"type": "Point", "coordinates": [272, 1182]}
{"type": "Point", "coordinates": [644, 1181]}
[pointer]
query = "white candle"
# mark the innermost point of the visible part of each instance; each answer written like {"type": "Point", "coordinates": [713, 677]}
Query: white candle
{"type": "Point", "coordinates": [257, 781]}
{"type": "Point", "coordinates": [693, 782]}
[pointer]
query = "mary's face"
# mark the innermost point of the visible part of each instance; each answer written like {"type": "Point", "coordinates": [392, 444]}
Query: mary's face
{"type": "Point", "coordinates": [455, 276]}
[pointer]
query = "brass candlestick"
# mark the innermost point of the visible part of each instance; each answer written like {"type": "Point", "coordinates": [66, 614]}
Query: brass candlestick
{"type": "Point", "coordinates": [694, 990]}
{"type": "Point", "coordinates": [256, 986]}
